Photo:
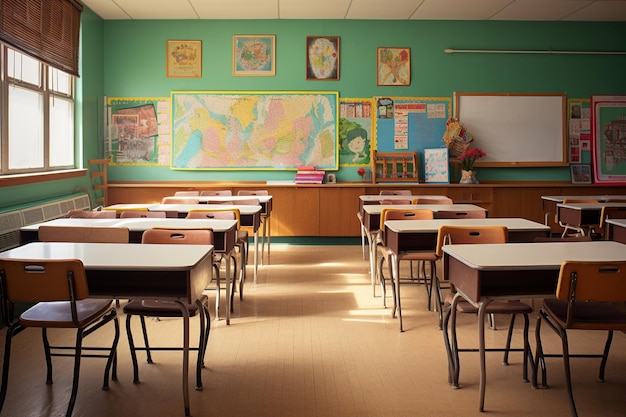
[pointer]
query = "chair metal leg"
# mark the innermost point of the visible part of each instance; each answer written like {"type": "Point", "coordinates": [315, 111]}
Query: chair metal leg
{"type": "Point", "coordinates": [605, 355]}
{"type": "Point", "coordinates": [48, 354]}
{"type": "Point", "coordinates": [446, 341]}
{"type": "Point", "coordinates": [5, 366]}
{"type": "Point", "coordinates": [77, 357]}
{"type": "Point", "coordinates": [568, 375]}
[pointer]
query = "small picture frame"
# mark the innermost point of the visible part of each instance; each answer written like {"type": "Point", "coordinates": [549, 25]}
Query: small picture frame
{"type": "Point", "coordinates": [183, 59]}
{"type": "Point", "coordinates": [436, 166]}
{"type": "Point", "coordinates": [581, 173]}
{"type": "Point", "coordinates": [393, 66]}
{"type": "Point", "coordinates": [331, 179]}
{"type": "Point", "coordinates": [322, 58]}
{"type": "Point", "coordinates": [254, 55]}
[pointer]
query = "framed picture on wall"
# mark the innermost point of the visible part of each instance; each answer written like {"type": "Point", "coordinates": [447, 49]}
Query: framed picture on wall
{"type": "Point", "coordinates": [581, 173]}
{"type": "Point", "coordinates": [322, 58]}
{"type": "Point", "coordinates": [254, 55]}
{"type": "Point", "coordinates": [608, 137]}
{"type": "Point", "coordinates": [393, 66]}
{"type": "Point", "coordinates": [184, 59]}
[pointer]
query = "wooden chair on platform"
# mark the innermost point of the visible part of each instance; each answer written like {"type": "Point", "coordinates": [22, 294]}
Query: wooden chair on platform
{"type": "Point", "coordinates": [153, 308]}
{"type": "Point", "coordinates": [61, 296]}
{"type": "Point", "coordinates": [589, 296]}
{"type": "Point", "coordinates": [449, 234]}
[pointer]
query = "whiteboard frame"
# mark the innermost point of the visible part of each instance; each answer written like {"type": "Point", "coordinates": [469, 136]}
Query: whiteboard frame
{"type": "Point", "coordinates": [560, 129]}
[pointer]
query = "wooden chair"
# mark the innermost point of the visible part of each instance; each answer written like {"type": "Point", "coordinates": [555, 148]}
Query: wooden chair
{"type": "Point", "coordinates": [393, 261]}
{"type": "Point", "coordinates": [215, 192]}
{"type": "Point", "coordinates": [427, 200]}
{"type": "Point", "coordinates": [91, 234]}
{"type": "Point", "coordinates": [87, 214]}
{"type": "Point", "coordinates": [179, 200]}
{"type": "Point", "coordinates": [470, 214]}
{"type": "Point", "coordinates": [187, 193]}
{"type": "Point", "coordinates": [449, 234]}
{"type": "Point", "coordinates": [589, 296]}
{"type": "Point", "coordinates": [242, 238]}
{"type": "Point", "coordinates": [395, 192]}
{"type": "Point", "coordinates": [153, 308]}
{"type": "Point", "coordinates": [59, 289]}
{"type": "Point", "coordinates": [265, 219]}
{"type": "Point", "coordinates": [137, 214]}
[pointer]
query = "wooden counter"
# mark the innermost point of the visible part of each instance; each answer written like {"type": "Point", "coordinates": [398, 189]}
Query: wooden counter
{"type": "Point", "coordinates": [330, 209]}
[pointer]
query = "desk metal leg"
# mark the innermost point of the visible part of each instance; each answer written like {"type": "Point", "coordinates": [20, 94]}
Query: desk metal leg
{"type": "Point", "coordinates": [371, 238]}
{"type": "Point", "coordinates": [396, 277]}
{"type": "Point", "coordinates": [228, 303]}
{"type": "Point", "coordinates": [482, 307]}
{"type": "Point", "coordinates": [256, 253]}
{"type": "Point", "coordinates": [185, 313]}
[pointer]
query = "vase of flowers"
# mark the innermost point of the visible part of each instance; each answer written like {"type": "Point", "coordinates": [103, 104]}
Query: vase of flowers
{"type": "Point", "coordinates": [467, 160]}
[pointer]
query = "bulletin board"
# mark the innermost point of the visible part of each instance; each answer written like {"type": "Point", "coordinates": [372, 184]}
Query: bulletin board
{"type": "Point", "coordinates": [411, 124]}
{"type": "Point", "coordinates": [516, 129]}
{"type": "Point", "coordinates": [138, 131]}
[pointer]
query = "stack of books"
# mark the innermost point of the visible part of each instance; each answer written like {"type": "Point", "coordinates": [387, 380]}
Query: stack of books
{"type": "Point", "coordinates": [309, 175]}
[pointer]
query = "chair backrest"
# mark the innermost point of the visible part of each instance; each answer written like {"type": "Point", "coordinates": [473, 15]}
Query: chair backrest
{"type": "Point", "coordinates": [394, 201]}
{"type": "Point", "coordinates": [86, 234]}
{"type": "Point", "coordinates": [218, 214]}
{"type": "Point", "coordinates": [177, 200]}
{"type": "Point", "coordinates": [403, 214]}
{"type": "Point", "coordinates": [178, 236]}
{"type": "Point", "coordinates": [216, 192]}
{"type": "Point", "coordinates": [32, 281]}
{"type": "Point", "coordinates": [427, 200]}
{"type": "Point", "coordinates": [459, 235]}
{"type": "Point", "coordinates": [592, 281]}
{"type": "Point", "coordinates": [611, 213]}
{"type": "Point", "coordinates": [86, 214]}
{"type": "Point", "coordinates": [248, 202]}
{"type": "Point", "coordinates": [395, 192]}
{"type": "Point", "coordinates": [187, 193]}
{"type": "Point", "coordinates": [470, 214]}
{"type": "Point", "coordinates": [253, 192]}
{"type": "Point", "coordinates": [134, 214]}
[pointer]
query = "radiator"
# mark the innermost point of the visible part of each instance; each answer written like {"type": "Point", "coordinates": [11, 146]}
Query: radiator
{"type": "Point", "coordinates": [12, 220]}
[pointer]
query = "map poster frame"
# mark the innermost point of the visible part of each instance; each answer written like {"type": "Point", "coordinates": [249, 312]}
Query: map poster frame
{"type": "Point", "coordinates": [254, 130]}
{"type": "Point", "coordinates": [608, 121]}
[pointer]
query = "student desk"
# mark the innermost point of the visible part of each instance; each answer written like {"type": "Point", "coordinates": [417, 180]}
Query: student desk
{"type": "Point", "coordinates": [421, 235]}
{"type": "Point", "coordinates": [224, 237]}
{"type": "Point", "coordinates": [264, 200]}
{"type": "Point", "coordinates": [582, 215]}
{"type": "Point", "coordinates": [616, 230]}
{"type": "Point", "coordinates": [482, 273]}
{"type": "Point", "coordinates": [371, 223]}
{"type": "Point", "coordinates": [549, 202]}
{"type": "Point", "coordinates": [367, 199]}
{"type": "Point", "coordinates": [250, 216]}
{"type": "Point", "coordinates": [178, 273]}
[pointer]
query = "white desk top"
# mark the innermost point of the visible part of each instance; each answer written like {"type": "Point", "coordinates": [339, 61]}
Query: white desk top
{"type": "Point", "coordinates": [141, 224]}
{"type": "Point", "coordinates": [185, 208]}
{"type": "Point", "coordinates": [560, 198]}
{"type": "Point", "coordinates": [378, 208]}
{"type": "Point", "coordinates": [534, 256]}
{"type": "Point", "coordinates": [589, 206]}
{"type": "Point", "coordinates": [233, 198]}
{"type": "Point", "coordinates": [378, 197]}
{"type": "Point", "coordinates": [617, 222]}
{"type": "Point", "coordinates": [116, 256]}
{"type": "Point", "coordinates": [432, 226]}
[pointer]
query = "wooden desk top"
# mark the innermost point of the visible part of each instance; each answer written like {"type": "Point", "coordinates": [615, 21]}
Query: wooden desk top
{"type": "Point", "coordinates": [600, 198]}
{"type": "Point", "coordinates": [374, 198]}
{"type": "Point", "coordinates": [219, 198]}
{"type": "Point", "coordinates": [141, 224]}
{"type": "Point", "coordinates": [589, 206]}
{"type": "Point", "coordinates": [378, 208]}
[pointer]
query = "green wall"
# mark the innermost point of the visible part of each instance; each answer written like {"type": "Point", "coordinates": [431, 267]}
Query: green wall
{"type": "Point", "coordinates": [134, 62]}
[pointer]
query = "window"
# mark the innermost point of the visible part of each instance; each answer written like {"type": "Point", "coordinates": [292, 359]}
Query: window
{"type": "Point", "coordinates": [38, 119]}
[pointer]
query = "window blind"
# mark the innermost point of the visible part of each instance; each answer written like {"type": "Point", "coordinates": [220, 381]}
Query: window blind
{"type": "Point", "coordinates": [48, 30]}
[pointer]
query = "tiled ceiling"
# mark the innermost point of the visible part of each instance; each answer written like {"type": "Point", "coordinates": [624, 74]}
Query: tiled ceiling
{"type": "Point", "coordinates": [536, 10]}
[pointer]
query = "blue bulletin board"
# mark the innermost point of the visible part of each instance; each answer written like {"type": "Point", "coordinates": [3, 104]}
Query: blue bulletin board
{"type": "Point", "coordinates": [405, 124]}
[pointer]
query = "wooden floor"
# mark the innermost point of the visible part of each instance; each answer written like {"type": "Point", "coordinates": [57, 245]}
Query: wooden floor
{"type": "Point", "coordinates": [309, 339]}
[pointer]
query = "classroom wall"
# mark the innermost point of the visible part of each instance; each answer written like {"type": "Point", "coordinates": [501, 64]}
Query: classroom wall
{"type": "Point", "coordinates": [134, 62]}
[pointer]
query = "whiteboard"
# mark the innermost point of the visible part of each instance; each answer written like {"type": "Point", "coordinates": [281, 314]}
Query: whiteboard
{"type": "Point", "coordinates": [515, 129]}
